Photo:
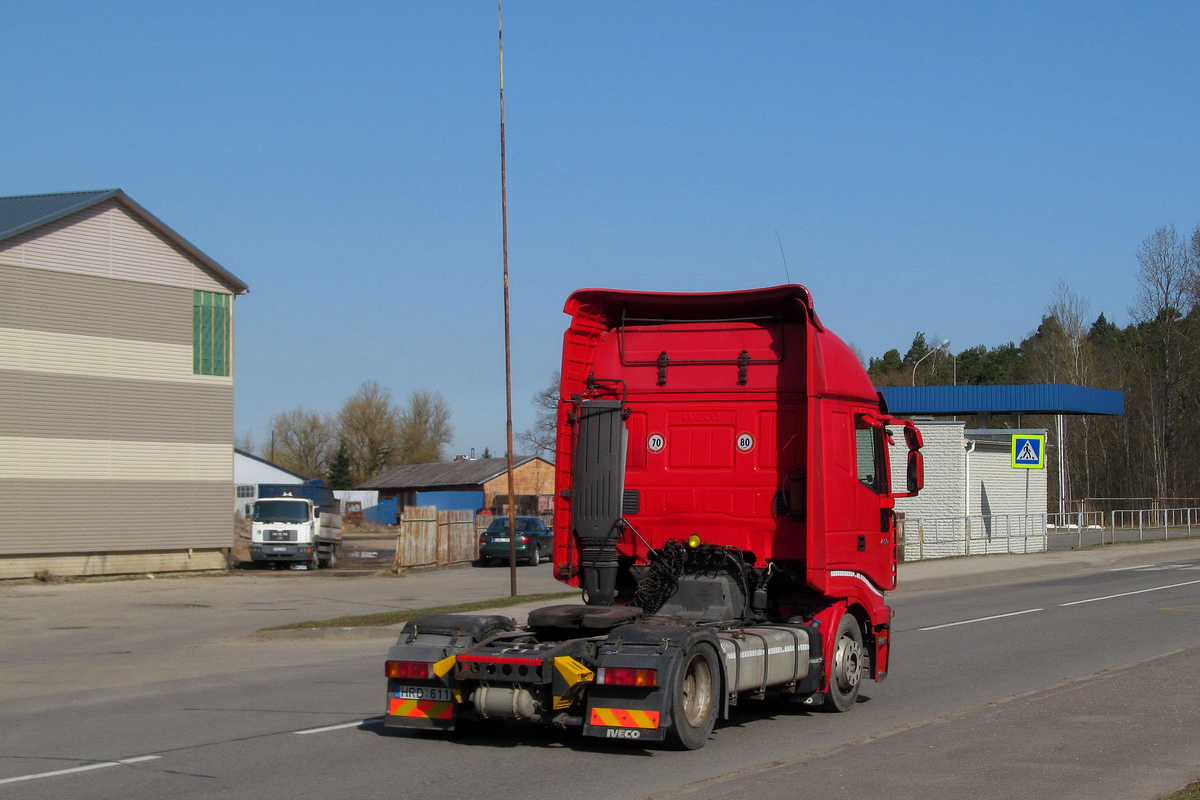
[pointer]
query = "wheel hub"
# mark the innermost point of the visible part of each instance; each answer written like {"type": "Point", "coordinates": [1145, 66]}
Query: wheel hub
{"type": "Point", "coordinates": [847, 664]}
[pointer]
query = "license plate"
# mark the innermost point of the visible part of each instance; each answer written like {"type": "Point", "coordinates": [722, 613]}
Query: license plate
{"type": "Point", "coordinates": [500, 540]}
{"type": "Point", "coordinates": [279, 549]}
{"type": "Point", "coordinates": [422, 693]}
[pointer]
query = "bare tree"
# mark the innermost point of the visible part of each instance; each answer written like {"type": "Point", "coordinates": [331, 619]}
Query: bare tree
{"type": "Point", "coordinates": [370, 427]}
{"type": "Point", "coordinates": [302, 441]}
{"type": "Point", "coordinates": [541, 438]}
{"type": "Point", "coordinates": [1165, 280]}
{"type": "Point", "coordinates": [245, 443]}
{"type": "Point", "coordinates": [1060, 354]}
{"type": "Point", "coordinates": [1071, 311]}
{"type": "Point", "coordinates": [424, 429]}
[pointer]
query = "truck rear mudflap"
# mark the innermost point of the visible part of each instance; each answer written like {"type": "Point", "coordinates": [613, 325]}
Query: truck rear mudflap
{"type": "Point", "coordinates": [422, 687]}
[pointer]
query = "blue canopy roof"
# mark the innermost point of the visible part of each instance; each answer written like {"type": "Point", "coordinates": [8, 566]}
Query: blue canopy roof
{"type": "Point", "coordinates": [1038, 398]}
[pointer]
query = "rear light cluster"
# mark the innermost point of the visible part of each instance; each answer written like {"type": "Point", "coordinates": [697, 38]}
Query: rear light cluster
{"type": "Point", "coordinates": [408, 670]}
{"type": "Point", "coordinates": [522, 539]}
{"type": "Point", "coordinates": [627, 676]}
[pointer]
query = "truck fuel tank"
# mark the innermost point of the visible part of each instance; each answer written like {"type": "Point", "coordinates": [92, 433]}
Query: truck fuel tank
{"type": "Point", "coordinates": [767, 656]}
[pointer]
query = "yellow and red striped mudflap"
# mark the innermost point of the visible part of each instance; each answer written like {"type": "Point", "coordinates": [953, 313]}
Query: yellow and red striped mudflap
{"type": "Point", "coordinates": [624, 718]}
{"type": "Point", "coordinates": [421, 709]}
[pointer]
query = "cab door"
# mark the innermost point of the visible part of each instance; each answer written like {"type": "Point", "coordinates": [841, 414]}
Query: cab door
{"type": "Point", "coordinates": [874, 504]}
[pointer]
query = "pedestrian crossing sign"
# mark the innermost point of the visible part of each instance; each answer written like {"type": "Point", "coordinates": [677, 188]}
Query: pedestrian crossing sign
{"type": "Point", "coordinates": [1029, 451]}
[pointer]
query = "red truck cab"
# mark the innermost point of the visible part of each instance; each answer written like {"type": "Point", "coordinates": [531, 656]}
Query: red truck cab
{"type": "Point", "coordinates": [745, 423]}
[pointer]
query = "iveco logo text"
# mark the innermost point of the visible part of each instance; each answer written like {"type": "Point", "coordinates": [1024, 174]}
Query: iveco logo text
{"type": "Point", "coordinates": [623, 733]}
{"type": "Point", "coordinates": [703, 416]}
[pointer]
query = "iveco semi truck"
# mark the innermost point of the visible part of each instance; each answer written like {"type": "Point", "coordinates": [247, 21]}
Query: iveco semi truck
{"type": "Point", "coordinates": [724, 503]}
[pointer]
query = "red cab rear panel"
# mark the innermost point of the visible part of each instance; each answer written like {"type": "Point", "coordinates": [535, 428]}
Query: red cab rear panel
{"type": "Point", "coordinates": [747, 423]}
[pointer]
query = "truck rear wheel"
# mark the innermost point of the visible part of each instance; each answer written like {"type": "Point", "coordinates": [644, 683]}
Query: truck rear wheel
{"type": "Point", "coordinates": [845, 675]}
{"type": "Point", "coordinates": [694, 698]}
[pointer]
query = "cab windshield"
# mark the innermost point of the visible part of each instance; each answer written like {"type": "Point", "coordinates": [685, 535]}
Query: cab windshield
{"type": "Point", "coordinates": [280, 511]}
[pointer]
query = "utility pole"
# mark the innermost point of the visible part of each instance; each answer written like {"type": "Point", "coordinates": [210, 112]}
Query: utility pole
{"type": "Point", "coordinates": [512, 500]}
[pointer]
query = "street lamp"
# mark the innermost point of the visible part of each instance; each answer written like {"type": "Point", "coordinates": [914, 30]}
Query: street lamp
{"type": "Point", "coordinates": [945, 343]}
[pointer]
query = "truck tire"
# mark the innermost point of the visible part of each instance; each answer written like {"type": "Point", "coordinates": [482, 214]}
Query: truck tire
{"type": "Point", "coordinates": [331, 562]}
{"type": "Point", "coordinates": [315, 564]}
{"type": "Point", "coordinates": [694, 694]}
{"type": "Point", "coordinates": [845, 672]}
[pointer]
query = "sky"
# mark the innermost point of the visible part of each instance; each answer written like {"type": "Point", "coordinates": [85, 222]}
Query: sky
{"type": "Point", "coordinates": [932, 166]}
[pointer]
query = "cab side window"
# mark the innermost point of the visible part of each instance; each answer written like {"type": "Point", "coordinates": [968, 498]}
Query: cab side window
{"type": "Point", "coordinates": [868, 448]}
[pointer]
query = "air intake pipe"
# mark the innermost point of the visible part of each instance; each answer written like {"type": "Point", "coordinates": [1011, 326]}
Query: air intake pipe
{"type": "Point", "coordinates": [599, 483]}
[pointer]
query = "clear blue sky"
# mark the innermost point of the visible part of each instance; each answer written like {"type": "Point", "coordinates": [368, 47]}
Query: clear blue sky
{"type": "Point", "coordinates": [929, 166]}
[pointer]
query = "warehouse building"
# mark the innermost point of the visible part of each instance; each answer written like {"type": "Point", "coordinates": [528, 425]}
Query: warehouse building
{"type": "Point", "coordinates": [473, 485]}
{"type": "Point", "coordinates": [116, 390]}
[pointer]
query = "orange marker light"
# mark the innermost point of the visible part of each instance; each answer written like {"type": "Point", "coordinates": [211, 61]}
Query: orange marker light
{"type": "Point", "coordinates": [411, 670]}
{"type": "Point", "coordinates": [627, 676]}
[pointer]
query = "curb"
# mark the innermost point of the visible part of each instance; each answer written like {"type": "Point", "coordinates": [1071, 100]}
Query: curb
{"type": "Point", "coordinates": [358, 633]}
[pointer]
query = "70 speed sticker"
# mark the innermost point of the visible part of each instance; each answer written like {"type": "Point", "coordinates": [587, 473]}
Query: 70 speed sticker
{"type": "Point", "coordinates": [656, 443]}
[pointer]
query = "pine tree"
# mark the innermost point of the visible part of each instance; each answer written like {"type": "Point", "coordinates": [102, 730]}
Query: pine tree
{"type": "Point", "coordinates": [339, 469]}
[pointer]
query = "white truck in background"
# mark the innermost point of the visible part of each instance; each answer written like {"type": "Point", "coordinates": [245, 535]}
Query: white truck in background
{"type": "Point", "coordinates": [296, 525]}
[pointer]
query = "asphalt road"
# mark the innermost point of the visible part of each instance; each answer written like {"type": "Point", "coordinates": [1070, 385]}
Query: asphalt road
{"type": "Point", "coordinates": [1084, 686]}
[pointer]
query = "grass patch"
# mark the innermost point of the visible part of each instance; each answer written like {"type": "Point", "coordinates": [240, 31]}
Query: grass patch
{"type": "Point", "coordinates": [1189, 792]}
{"type": "Point", "coordinates": [384, 618]}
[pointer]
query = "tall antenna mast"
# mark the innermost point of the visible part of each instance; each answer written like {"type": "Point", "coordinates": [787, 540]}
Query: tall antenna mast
{"type": "Point", "coordinates": [512, 500]}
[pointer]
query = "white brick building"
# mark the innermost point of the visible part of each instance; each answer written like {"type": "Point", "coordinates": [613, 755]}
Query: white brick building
{"type": "Point", "coordinates": [974, 501]}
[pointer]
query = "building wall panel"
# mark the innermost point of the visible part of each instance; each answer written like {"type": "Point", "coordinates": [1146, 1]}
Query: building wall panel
{"type": "Point", "coordinates": [29, 458]}
{"type": "Point", "coordinates": [72, 354]}
{"type": "Point", "coordinates": [73, 516]}
{"type": "Point", "coordinates": [105, 563]}
{"type": "Point", "coordinates": [73, 407]}
{"type": "Point", "coordinates": [60, 302]}
{"type": "Point", "coordinates": [943, 495]}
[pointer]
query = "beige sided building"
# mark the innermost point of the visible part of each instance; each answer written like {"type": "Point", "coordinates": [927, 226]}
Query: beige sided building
{"type": "Point", "coordinates": [116, 390]}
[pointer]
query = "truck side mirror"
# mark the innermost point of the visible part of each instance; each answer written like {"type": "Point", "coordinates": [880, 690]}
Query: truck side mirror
{"type": "Point", "coordinates": [916, 472]}
{"type": "Point", "coordinates": [316, 513]}
{"type": "Point", "coordinates": [912, 437]}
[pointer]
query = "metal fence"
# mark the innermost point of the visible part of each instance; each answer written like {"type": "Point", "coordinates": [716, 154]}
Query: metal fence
{"type": "Point", "coordinates": [926, 538]}
{"type": "Point", "coordinates": [945, 537]}
{"type": "Point", "coordinates": [1154, 523]}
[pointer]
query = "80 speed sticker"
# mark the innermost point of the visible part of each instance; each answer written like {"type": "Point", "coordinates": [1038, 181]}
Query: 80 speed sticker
{"type": "Point", "coordinates": [745, 442]}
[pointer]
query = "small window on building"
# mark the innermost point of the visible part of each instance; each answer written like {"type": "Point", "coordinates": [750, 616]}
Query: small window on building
{"type": "Point", "coordinates": [245, 490]}
{"type": "Point", "coordinates": [211, 337]}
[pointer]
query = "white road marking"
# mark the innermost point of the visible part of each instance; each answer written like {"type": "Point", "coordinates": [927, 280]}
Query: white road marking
{"type": "Point", "coordinates": [1127, 594]}
{"type": "Point", "coordinates": [339, 727]}
{"type": "Point", "coordinates": [981, 619]}
{"type": "Point", "coordinates": [1127, 569]}
{"type": "Point", "coordinates": [101, 765]}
